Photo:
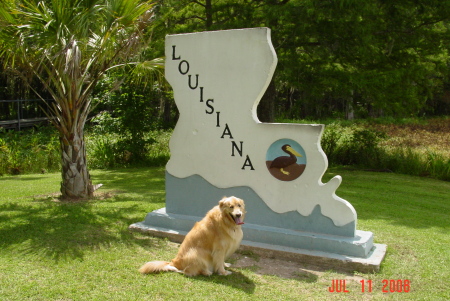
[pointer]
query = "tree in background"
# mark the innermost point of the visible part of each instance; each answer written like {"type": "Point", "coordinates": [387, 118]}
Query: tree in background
{"type": "Point", "coordinates": [69, 45]}
{"type": "Point", "coordinates": [373, 57]}
{"type": "Point", "coordinates": [132, 112]}
{"type": "Point", "coordinates": [369, 58]}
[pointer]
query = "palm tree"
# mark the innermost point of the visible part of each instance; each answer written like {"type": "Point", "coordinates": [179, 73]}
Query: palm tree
{"type": "Point", "coordinates": [69, 45]}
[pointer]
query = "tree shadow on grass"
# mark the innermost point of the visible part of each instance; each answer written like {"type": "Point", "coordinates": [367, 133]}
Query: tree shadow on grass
{"type": "Point", "coordinates": [65, 230]}
{"type": "Point", "coordinates": [45, 226]}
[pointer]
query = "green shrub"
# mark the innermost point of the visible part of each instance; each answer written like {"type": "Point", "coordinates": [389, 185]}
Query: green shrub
{"type": "Point", "coordinates": [408, 161]}
{"type": "Point", "coordinates": [439, 166]}
{"type": "Point", "coordinates": [37, 150]}
{"type": "Point", "coordinates": [109, 150]}
{"type": "Point", "coordinates": [101, 152]}
{"type": "Point", "coordinates": [29, 151]}
{"type": "Point", "coordinates": [125, 139]}
{"type": "Point", "coordinates": [330, 139]}
{"type": "Point", "coordinates": [360, 146]}
{"type": "Point", "coordinates": [352, 145]}
{"type": "Point", "coordinates": [158, 152]}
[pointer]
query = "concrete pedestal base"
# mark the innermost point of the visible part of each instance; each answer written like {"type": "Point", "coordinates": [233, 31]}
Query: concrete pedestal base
{"type": "Point", "coordinates": [357, 253]}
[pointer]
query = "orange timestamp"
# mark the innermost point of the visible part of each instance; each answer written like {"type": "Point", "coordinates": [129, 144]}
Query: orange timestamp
{"type": "Point", "coordinates": [388, 286]}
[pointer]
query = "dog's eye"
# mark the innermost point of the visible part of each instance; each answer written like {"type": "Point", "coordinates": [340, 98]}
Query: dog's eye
{"type": "Point", "coordinates": [231, 207]}
{"type": "Point", "coordinates": [239, 205]}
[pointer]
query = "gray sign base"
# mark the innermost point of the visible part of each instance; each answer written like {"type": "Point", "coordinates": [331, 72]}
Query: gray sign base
{"type": "Point", "coordinates": [341, 253]}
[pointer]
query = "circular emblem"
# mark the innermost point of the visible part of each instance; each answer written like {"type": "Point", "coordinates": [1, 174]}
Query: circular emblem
{"type": "Point", "coordinates": [286, 159]}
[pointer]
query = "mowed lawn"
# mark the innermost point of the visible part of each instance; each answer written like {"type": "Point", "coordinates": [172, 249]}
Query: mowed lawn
{"type": "Point", "coordinates": [51, 250]}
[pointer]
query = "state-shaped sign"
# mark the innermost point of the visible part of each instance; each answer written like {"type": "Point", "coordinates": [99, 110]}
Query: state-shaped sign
{"type": "Point", "coordinates": [218, 79]}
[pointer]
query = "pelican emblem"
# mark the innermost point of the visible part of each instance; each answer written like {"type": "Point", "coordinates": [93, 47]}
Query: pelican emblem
{"type": "Point", "coordinates": [285, 161]}
{"type": "Point", "coordinates": [282, 167]}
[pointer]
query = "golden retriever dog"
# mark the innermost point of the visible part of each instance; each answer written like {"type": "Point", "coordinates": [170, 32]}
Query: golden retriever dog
{"type": "Point", "coordinates": [210, 242]}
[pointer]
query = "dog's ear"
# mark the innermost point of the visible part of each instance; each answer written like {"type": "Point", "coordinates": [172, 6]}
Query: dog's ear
{"type": "Point", "coordinates": [222, 202]}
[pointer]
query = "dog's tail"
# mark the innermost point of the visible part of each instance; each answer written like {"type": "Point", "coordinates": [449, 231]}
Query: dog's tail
{"type": "Point", "coordinates": [157, 267]}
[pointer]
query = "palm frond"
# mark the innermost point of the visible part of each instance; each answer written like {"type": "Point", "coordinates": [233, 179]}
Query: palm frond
{"type": "Point", "coordinates": [149, 72]}
{"type": "Point", "coordinates": [69, 45]}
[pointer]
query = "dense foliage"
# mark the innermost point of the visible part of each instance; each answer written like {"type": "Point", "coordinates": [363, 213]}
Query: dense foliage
{"type": "Point", "coordinates": [33, 151]}
{"type": "Point", "coordinates": [340, 58]}
{"type": "Point", "coordinates": [344, 58]}
{"type": "Point", "coordinates": [366, 145]}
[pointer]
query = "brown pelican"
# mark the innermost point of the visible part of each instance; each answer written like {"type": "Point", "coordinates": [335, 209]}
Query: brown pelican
{"type": "Point", "coordinates": [285, 161]}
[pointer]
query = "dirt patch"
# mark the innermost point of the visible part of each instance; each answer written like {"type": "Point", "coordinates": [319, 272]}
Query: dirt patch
{"type": "Point", "coordinates": [283, 268]}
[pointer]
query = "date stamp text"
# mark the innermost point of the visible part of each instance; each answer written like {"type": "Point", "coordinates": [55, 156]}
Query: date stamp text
{"type": "Point", "coordinates": [368, 286]}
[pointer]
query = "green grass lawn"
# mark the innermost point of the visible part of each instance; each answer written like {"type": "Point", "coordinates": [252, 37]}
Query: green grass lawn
{"type": "Point", "coordinates": [84, 251]}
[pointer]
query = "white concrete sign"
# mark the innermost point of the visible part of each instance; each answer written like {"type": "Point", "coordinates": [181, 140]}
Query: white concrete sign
{"type": "Point", "coordinates": [218, 79]}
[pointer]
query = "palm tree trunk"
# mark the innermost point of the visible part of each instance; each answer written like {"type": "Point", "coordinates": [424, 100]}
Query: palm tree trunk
{"type": "Point", "coordinates": [69, 51]}
{"type": "Point", "coordinates": [76, 181]}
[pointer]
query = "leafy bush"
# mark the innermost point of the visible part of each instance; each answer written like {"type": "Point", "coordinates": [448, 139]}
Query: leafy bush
{"type": "Point", "coordinates": [126, 130]}
{"type": "Point", "coordinates": [110, 150]}
{"type": "Point", "coordinates": [351, 145]}
{"type": "Point", "coordinates": [361, 146]}
{"type": "Point", "coordinates": [101, 152]}
{"type": "Point", "coordinates": [30, 151]}
{"type": "Point", "coordinates": [37, 150]}
{"type": "Point", "coordinates": [408, 161]}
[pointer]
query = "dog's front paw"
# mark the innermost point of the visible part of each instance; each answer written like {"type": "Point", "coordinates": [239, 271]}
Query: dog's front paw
{"type": "Point", "coordinates": [225, 273]}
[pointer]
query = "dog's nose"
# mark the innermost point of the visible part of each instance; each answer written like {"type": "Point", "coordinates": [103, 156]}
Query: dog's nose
{"type": "Point", "coordinates": [238, 215]}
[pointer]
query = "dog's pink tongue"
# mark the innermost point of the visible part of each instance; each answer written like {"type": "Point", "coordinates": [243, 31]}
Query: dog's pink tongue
{"type": "Point", "coordinates": [238, 221]}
